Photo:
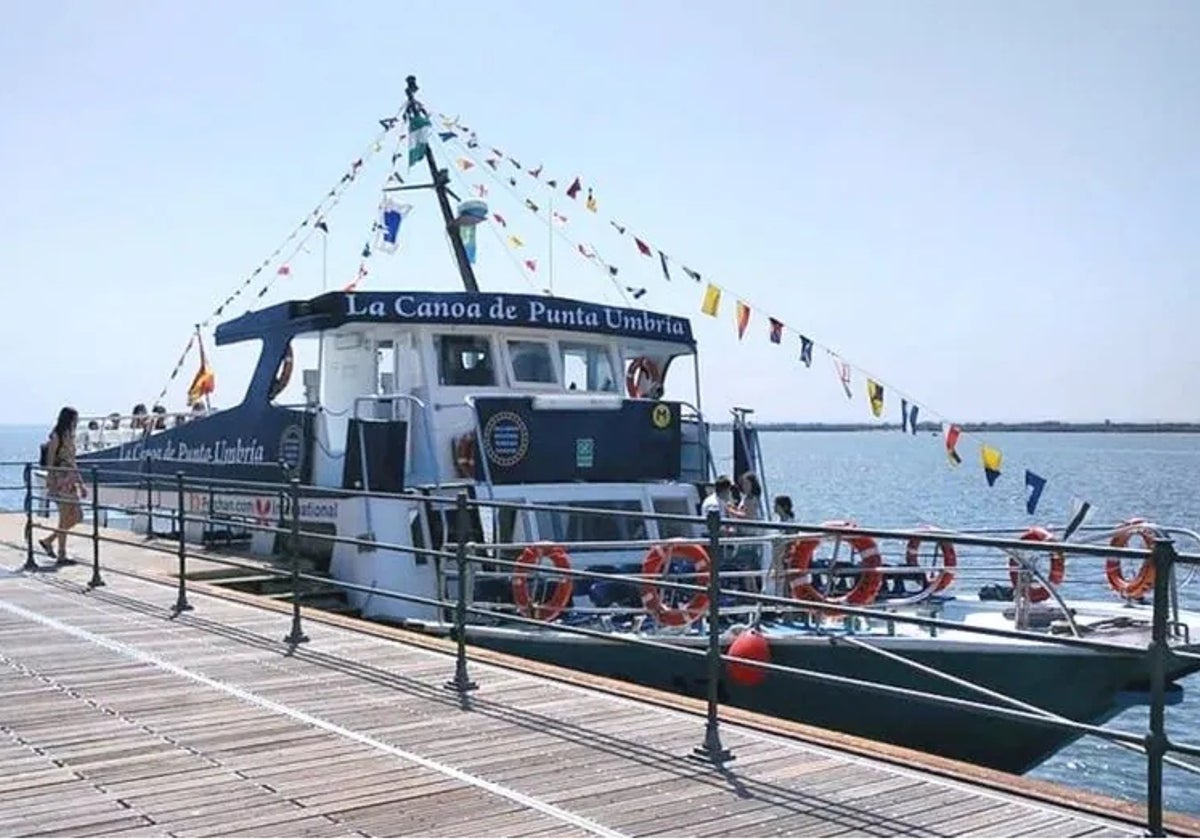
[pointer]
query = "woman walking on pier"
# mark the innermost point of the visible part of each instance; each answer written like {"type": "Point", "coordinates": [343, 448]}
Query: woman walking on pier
{"type": "Point", "coordinates": [63, 482]}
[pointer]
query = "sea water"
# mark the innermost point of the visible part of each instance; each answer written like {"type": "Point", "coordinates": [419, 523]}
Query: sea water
{"type": "Point", "coordinates": [892, 479]}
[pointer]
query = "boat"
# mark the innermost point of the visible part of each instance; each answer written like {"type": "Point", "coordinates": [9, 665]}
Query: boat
{"type": "Point", "coordinates": [551, 415]}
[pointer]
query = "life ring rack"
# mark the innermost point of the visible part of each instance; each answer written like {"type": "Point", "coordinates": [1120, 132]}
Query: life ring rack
{"type": "Point", "coordinates": [865, 589]}
{"type": "Point", "coordinates": [1143, 581]}
{"type": "Point", "coordinates": [939, 579]}
{"type": "Point", "coordinates": [657, 560]}
{"type": "Point", "coordinates": [643, 366]}
{"type": "Point", "coordinates": [284, 374]}
{"type": "Point", "coordinates": [1058, 565]}
{"type": "Point", "coordinates": [464, 455]}
{"type": "Point", "coordinates": [564, 587]}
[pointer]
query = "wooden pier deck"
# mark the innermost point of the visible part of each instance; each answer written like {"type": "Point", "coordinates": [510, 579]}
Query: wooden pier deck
{"type": "Point", "coordinates": [118, 717]}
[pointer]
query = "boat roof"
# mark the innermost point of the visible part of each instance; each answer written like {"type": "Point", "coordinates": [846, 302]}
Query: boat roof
{"type": "Point", "coordinates": [485, 309]}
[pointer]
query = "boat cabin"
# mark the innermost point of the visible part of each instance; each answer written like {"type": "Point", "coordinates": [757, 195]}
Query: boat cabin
{"type": "Point", "coordinates": [427, 388]}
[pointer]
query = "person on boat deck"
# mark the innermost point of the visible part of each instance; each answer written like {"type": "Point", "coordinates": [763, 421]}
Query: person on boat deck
{"type": "Point", "coordinates": [720, 499]}
{"type": "Point", "coordinates": [748, 556]}
{"type": "Point", "coordinates": [751, 502]}
{"type": "Point", "coordinates": [779, 548]}
{"type": "Point", "coordinates": [140, 417]}
{"type": "Point", "coordinates": [160, 416]}
{"type": "Point", "coordinates": [114, 421]}
{"type": "Point", "coordinates": [63, 482]}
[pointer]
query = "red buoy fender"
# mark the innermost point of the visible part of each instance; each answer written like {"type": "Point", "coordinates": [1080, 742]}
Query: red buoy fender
{"type": "Point", "coordinates": [749, 644]}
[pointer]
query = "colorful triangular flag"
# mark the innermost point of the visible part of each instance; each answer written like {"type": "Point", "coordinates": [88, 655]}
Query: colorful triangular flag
{"type": "Point", "coordinates": [806, 348]}
{"type": "Point", "coordinates": [1036, 485]}
{"type": "Point", "coordinates": [742, 317]}
{"type": "Point", "coordinates": [991, 458]}
{"type": "Point", "coordinates": [843, 373]}
{"type": "Point", "coordinates": [418, 136]}
{"type": "Point", "coordinates": [662, 258]}
{"type": "Point", "coordinates": [776, 328]}
{"type": "Point", "coordinates": [712, 300]}
{"type": "Point", "coordinates": [1080, 512]}
{"type": "Point", "coordinates": [951, 434]}
{"type": "Point", "coordinates": [643, 247]}
{"type": "Point", "coordinates": [875, 396]}
{"type": "Point", "coordinates": [574, 189]}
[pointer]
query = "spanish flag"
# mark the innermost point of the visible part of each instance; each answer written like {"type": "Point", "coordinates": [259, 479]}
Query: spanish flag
{"type": "Point", "coordinates": [712, 301]}
{"type": "Point", "coordinates": [205, 381]}
{"type": "Point", "coordinates": [875, 395]}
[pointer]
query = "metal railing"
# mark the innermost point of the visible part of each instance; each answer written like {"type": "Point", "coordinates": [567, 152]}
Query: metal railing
{"type": "Point", "coordinates": [464, 554]}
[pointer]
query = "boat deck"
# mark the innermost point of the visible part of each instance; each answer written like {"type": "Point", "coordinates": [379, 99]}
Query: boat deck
{"type": "Point", "coordinates": [123, 718]}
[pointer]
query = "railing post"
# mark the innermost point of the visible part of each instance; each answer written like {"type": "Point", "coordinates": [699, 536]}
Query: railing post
{"type": "Point", "coordinates": [149, 499]}
{"type": "Point", "coordinates": [30, 564]}
{"type": "Point", "coordinates": [1156, 739]}
{"type": "Point", "coordinates": [462, 681]}
{"type": "Point", "coordinates": [297, 636]}
{"type": "Point", "coordinates": [96, 580]}
{"type": "Point", "coordinates": [181, 602]}
{"type": "Point", "coordinates": [711, 750]}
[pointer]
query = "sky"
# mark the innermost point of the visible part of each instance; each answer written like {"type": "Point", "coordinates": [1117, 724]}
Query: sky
{"type": "Point", "coordinates": [991, 207]}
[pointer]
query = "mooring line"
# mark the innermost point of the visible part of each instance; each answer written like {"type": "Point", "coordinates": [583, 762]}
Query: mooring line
{"type": "Point", "coordinates": [582, 823]}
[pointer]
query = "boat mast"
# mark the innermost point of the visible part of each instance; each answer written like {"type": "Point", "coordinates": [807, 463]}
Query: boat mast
{"type": "Point", "coordinates": [441, 178]}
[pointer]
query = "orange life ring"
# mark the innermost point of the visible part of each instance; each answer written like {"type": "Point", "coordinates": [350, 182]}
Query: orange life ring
{"type": "Point", "coordinates": [865, 589]}
{"type": "Point", "coordinates": [1143, 581]}
{"type": "Point", "coordinates": [464, 455]}
{"type": "Point", "coordinates": [657, 559]}
{"type": "Point", "coordinates": [939, 580]}
{"type": "Point", "coordinates": [283, 375]}
{"type": "Point", "coordinates": [1058, 565]}
{"type": "Point", "coordinates": [643, 366]}
{"type": "Point", "coordinates": [564, 589]}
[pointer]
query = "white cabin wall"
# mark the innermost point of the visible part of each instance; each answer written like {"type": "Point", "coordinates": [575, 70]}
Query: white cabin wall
{"type": "Point", "coordinates": [349, 370]}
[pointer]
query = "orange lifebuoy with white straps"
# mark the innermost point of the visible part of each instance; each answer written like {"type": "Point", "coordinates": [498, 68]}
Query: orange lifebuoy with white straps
{"type": "Point", "coordinates": [283, 375]}
{"type": "Point", "coordinates": [657, 560]}
{"type": "Point", "coordinates": [564, 588]}
{"type": "Point", "coordinates": [865, 589]}
{"type": "Point", "coordinates": [464, 455]}
{"type": "Point", "coordinates": [1058, 565]}
{"type": "Point", "coordinates": [937, 580]}
{"type": "Point", "coordinates": [643, 379]}
{"type": "Point", "coordinates": [1143, 581]}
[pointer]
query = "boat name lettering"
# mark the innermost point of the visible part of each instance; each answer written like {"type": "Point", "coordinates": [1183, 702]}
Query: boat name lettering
{"type": "Point", "coordinates": [219, 451]}
{"type": "Point", "coordinates": [499, 310]}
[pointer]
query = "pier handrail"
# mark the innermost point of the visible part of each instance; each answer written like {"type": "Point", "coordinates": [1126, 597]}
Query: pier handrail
{"type": "Point", "coordinates": [1163, 556]}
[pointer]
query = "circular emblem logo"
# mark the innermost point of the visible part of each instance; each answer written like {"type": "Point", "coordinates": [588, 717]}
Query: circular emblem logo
{"type": "Point", "coordinates": [505, 438]}
{"type": "Point", "coordinates": [291, 447]}
{"type": "Point", "coordinates": [660, 416]}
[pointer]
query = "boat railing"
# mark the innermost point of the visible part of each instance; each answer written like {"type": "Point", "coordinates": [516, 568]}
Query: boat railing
{"type": "Point", "coordinates": [1159, 749]}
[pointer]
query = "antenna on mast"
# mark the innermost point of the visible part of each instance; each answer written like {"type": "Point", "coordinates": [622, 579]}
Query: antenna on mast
{"type": "Point", "coordinates": [441, 179]}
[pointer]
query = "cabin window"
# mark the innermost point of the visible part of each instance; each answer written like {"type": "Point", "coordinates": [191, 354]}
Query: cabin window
{"type": "Point", "coordinates": [588, 367]}
{"type": "Point", "coordinates": [465, 360]}
{"type": "Point", "coordinates": [531, 361]}
{"type": "Point", "coordinates": [675, 506]}
{"type": "Point", "coordinates": [586, 527]}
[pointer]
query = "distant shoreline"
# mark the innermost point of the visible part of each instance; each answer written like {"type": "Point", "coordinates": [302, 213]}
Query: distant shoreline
{"type": "Point", "coordinates": [1035, 426]}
